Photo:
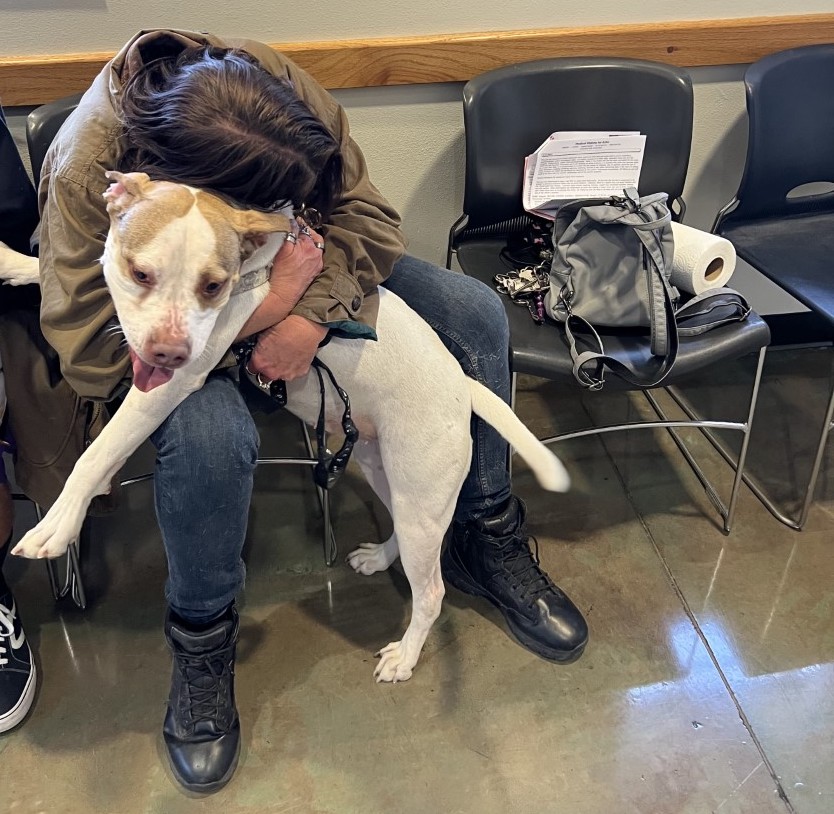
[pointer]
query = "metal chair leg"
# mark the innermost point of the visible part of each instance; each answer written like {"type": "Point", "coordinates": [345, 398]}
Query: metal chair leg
{"type": "Point", "coordinates": [827, 426]}
{"type": "Point", "coordinates": [513, 394]}
{"type": "Point", "coordinates": [755, 486]}
{"type": "Point", "coordinates": [727, 512]}
{"type": "Point", "coordinates": [331, 551]}
{"type": "Point", "coordinates": [72, 584]}
{"type": "Point", "coordinates": [330, 548]}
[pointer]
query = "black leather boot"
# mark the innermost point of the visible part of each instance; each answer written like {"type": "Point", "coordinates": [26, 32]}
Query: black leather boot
{"type": "Point", "coordinates": [491, 557]}
{"type": "Point", "coordinates": [202, 729]}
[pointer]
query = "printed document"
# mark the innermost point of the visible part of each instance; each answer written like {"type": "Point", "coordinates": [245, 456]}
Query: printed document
{"type": "Point", "coordinates": [580, 164]}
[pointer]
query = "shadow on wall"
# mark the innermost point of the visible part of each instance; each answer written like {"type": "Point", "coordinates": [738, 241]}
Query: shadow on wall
{"type": "Point", "coordinates": [718, 173]}
{"type": "Point", "coordinates": [412, 139]}
{"type": "Point", "coordinates": [435, 203]}
{"type": "Point", "coordinates": [719, 142]}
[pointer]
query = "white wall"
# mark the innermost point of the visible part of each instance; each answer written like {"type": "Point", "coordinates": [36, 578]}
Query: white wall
{"type": "Point", "coordinates": [413, 136]}
{"type": "Point", "coordinates": [64, 26]}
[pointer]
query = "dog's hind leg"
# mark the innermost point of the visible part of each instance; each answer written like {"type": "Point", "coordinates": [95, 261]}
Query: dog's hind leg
{"type": "Point", "coordinates": [420, 556]}
{"type": "Point", "coordinates": [424, 485]}
{"type": "Point", "coordinates": [420, 521]}
{"type": "Point", "coordinates": [372, 557]}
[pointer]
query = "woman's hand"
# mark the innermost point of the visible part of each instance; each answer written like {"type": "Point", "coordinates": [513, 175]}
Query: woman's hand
{"type": "Point", "coordinates": [286, 350]}
{"type": "Point", "coordinates": [298, 262]}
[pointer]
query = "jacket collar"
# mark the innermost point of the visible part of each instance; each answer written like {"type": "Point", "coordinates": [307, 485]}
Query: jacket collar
{"type": "Point", "coordinates": [149, 45]}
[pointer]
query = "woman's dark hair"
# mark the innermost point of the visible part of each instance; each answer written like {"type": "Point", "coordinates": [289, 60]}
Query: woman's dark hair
{"type": "Point", "coordinates": [214, 118]}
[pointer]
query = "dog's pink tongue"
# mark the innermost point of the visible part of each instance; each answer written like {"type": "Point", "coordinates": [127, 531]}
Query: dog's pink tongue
{"type": "Point", "coordinates": [146, 376]}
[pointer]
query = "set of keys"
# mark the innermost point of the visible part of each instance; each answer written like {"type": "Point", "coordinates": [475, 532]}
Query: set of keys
{"type": "Point", "coordinates": [526, 286]}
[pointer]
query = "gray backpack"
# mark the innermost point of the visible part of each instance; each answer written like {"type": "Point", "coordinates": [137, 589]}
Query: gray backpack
{"type": "Point", "coordinates": [611, 265]}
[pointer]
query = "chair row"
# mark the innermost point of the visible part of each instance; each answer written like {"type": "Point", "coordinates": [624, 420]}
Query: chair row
{"type": "Point", "coordinates": [777, 223]}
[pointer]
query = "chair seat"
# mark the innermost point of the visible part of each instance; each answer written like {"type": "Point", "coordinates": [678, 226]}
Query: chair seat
{"type": "Point", "coordinates": [551, 359]}
{"type": "Point", "coordinates": [796, 252]}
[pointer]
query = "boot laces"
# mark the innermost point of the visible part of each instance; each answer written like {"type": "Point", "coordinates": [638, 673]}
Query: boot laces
{"type": "Point", "coordinates": [6, 631]}
{"type": "Point", "coordinates": [207, 679]}
{"type": "Point", "coordinates": [523, 566]}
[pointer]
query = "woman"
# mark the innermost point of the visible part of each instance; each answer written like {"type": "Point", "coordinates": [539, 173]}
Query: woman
{"type": "Point", "coordinates": [243, 121]}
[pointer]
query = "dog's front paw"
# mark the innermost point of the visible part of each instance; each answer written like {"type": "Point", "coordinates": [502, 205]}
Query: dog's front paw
{"type": "Point", "coordinates": [39, 544]}
{"type": "Point", "coordinates": [393, 665]}
{"type": "Point", "coordinates": [53, 535]}
{"type": "Point", "coordinates": [372, 557]}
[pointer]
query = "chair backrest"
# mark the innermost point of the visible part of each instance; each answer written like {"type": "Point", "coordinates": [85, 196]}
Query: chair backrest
{"type": "Point", "coordinates": [790, 106]}
{"type": "Point", "coordinates": [18, 202]}
{"type": "Point", "coordinates": [42, 125]}
{"type": "Point", "coordinates": [509, 112]}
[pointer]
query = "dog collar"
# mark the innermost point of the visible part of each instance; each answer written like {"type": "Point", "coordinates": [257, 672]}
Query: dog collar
{"type": "Point", "coordinates": [252, 280]}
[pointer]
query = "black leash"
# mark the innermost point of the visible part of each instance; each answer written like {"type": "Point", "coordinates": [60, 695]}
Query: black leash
{"type": "Point", "coordinates": [330, 466]}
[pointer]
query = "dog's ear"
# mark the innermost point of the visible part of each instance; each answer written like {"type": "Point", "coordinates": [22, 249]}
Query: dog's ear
{"type": "Point", "coordinates": [253, 228]}
{"type": "Point", "coordinates": [125, 189]}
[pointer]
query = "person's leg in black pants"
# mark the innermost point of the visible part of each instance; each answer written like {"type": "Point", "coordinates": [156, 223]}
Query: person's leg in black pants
{"type": "Point", "coordinates": [17, 670]}
{"type": "Point", "coordinates": [18, 220]}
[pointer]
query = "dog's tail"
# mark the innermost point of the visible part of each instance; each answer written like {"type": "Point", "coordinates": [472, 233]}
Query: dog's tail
{"type": "Point", "coordinates": [547, 468]}
{"type": "Point", "coordinates": [16, 268]}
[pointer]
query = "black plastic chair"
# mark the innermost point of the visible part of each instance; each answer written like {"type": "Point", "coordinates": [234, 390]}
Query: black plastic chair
{"type": "Point", "coordinates": [42, 125]}
{"type": "Point", "coordinates": [508, 113]}
{"type": "Point", "coordinates": [783, 231]}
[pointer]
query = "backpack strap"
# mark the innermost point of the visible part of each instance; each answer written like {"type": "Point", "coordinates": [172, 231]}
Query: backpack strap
{"type": "Point", "coordinates": [700, 314]}
{"type": "Point", "coordinates": [589, 366]}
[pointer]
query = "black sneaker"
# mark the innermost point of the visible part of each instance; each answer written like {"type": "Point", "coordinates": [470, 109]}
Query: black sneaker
{"type": "Point", "coordinates": [18, 676]}
{"type": "Point", "coordinates": [202, 729]}
{"type": "Point", "coordinates": [491, 558]}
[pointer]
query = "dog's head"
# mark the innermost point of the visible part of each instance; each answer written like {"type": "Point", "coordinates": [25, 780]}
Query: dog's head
{"type": "Point", "coordinates": [172, 257]}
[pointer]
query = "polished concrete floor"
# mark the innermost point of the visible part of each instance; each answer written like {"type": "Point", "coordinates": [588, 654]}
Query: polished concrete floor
{"type": "Point", "coordinates": [708, 684]}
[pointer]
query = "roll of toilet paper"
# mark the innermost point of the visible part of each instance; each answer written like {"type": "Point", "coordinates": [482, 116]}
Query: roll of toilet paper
{"type": "Point", "coordinates": [701, 261]}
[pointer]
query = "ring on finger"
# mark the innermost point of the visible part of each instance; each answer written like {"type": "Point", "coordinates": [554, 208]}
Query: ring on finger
{"type": "Point", "coordinates": [319, 244]}
{"type": "Point", "coordinates": [291, 238]}
{"type": "Point", "coordinates": [263, 383]}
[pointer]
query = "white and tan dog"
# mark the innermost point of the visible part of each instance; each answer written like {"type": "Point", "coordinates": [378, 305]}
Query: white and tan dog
{"type": "Point", "coordinates": [172, 260]}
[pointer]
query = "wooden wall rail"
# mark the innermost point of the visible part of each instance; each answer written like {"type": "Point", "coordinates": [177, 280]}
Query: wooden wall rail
{"type": "Point", "coordinates": [30, 80]}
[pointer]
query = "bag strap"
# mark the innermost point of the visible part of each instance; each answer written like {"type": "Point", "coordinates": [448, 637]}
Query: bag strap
{"type": "Point", "coordinates": [700, 314]}
{"type": "Point", "coordinates": [653, 375]}
{"type": "Point", "coordinates": [660, 294]}
{"type": "Point", "coordinates": [647, 229]}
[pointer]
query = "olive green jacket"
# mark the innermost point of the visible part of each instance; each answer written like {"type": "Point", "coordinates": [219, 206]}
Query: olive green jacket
{"type": "Point", "coordinates": [363, 239]}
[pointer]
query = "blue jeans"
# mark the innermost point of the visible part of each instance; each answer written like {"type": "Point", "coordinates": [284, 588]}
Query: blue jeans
{"type": "Point", "coordinates": [208, 447]}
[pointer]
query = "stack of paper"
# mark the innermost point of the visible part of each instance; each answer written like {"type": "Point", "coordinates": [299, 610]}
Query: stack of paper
{"type": "Point", "coordinates": [581, 164]}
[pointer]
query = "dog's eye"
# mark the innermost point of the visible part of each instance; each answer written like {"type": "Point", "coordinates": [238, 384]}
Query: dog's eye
{"type": "Point", "coordinates": [212, 288]}
{"type": "Point", "coordinates": [141, 277]}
